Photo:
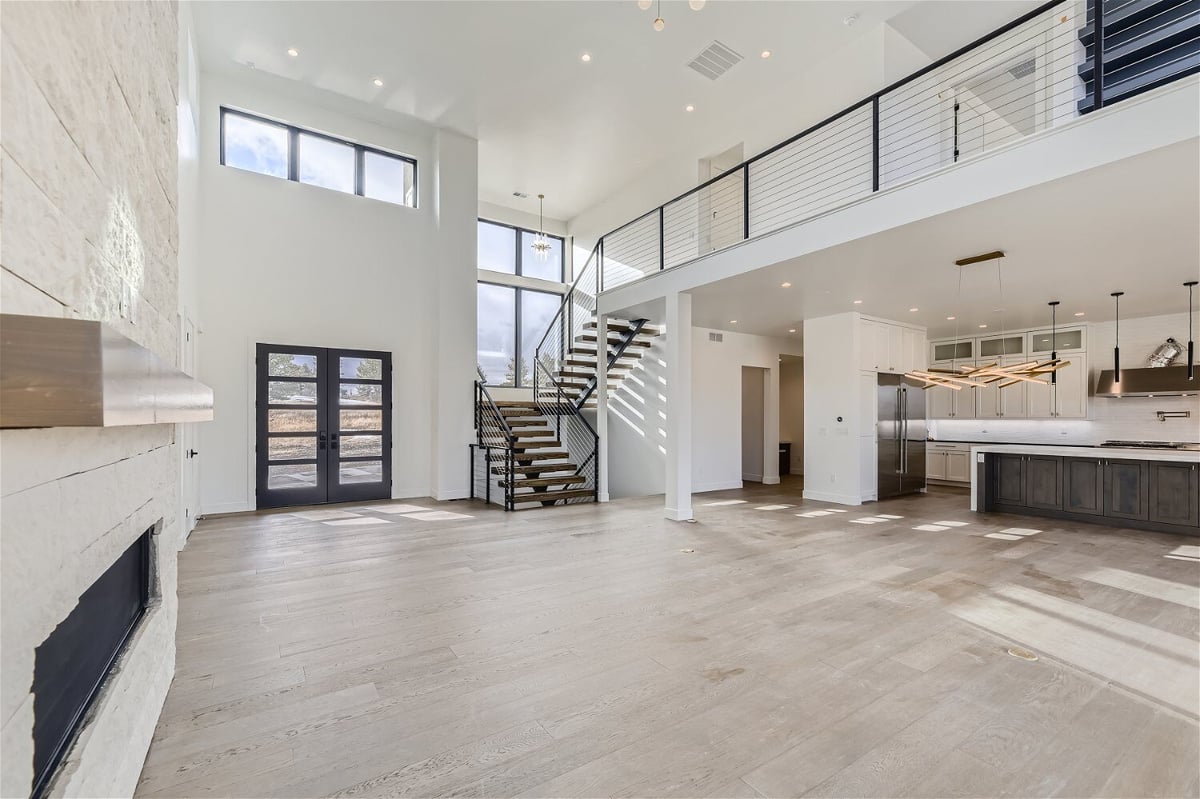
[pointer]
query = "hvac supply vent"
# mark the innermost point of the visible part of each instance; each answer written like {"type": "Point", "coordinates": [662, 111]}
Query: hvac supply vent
{"type": "Point", "coordinates": [520, 194]}
{"type": "Point", "coordinates": [715, 336]}
{"type": "Point", "coordinates": [1022, 70]}
{"type": "Point", "coordinates": [715, 60]}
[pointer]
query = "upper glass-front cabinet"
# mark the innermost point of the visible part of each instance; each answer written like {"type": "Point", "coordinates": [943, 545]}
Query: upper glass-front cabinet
{"type": "Point", "coordinates": [954, 351]}
{"type": "Point", "coordinates": [1001, 346]}
{"type": "Point", "coordinates": [1066, 341]}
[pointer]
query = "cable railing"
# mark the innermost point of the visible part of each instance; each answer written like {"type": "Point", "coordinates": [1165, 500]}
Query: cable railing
{"type": "Point", "coordinates": [577, 436]}
{"type": "Point", "coordinates": [492, 452]}
{"type": "Point", "coordinates": [1033, 74]}
{"type": "Point", "coordinates": [578, 307]}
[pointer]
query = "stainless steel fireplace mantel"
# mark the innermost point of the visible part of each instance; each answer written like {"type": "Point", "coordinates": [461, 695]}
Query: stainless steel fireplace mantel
{"type": "Point", "coordinates": [57, 372]}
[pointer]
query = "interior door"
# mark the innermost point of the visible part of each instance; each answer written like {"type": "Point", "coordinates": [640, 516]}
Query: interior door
{"type": "Point", "coordinates": [189, 471]}
{"type": "Point", "coordinates": [323, 425]}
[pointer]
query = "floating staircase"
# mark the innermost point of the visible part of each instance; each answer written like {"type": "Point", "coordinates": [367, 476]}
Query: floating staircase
{"type": "Point", "coordinates": [543, 452]}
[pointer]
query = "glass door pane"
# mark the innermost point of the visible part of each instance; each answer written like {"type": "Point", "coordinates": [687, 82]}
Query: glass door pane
{"type": "Point", "coordinates": [360, 442]}
{"type": "Point", "coordinates": [290, 446]}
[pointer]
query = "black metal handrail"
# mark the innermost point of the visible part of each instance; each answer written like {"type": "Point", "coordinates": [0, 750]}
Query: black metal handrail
{"type": "Point", "coordinates": [485, 404]}
{"type": "Point", "coordinates": [584, 440]}
{"type": "Point", "coordinates": [1174, 56]}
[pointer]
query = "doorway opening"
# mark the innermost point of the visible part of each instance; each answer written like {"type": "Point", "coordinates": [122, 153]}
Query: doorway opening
{"type": "Point", "coordinates": [791, 419]}
{"type": "Point", "coordinates": [754, 423]}
{"type": "Point", "coordinates": [324, 425]}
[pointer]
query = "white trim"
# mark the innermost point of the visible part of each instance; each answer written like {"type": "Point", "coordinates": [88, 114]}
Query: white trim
{"type": "Point", "coordinates": [840, 499]}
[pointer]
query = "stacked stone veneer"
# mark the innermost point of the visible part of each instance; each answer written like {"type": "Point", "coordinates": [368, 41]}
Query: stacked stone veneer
{"type": "Point", "coordinates": [88, 229]}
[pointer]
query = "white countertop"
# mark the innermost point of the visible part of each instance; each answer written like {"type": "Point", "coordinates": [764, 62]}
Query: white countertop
{"type": "Point", "coordinates": [1115, 453]}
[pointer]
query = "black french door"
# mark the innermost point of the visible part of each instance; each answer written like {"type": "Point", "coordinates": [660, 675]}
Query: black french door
{"type": "Point", "coordinates": [324, 425]}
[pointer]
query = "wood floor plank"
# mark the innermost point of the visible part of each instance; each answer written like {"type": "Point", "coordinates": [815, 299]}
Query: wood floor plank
{"type": "Point", "coordinates": [601, 650]}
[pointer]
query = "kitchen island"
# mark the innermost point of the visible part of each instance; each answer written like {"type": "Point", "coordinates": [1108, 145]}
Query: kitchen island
{"type": "Point", "coordinates": [1148, 489]}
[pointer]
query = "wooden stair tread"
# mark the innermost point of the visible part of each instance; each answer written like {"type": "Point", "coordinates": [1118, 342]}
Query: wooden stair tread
{"type": "Point", "coordinates": [543, 482]}
{"type": "Point", "coordinates": [536, 468]}
{"type": "Point", "coordinates": [621, 326]}
{"type": "Point", "coordinates": [616, 340]}
{"type": "Point", "coordinates": [554, 496]}
{"type": "Point", "coordinates": [524, 422]}
{"type": "Point", "coordinates": [542, 455]}
{"type": "Point", "coordinates": [536, 444]}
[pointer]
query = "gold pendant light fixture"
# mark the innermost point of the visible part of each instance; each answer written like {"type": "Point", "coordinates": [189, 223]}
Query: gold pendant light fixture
{"type": "Point", "coordinates": [956, 378]}
{"type": "Point", "coordinates": [659, 22]}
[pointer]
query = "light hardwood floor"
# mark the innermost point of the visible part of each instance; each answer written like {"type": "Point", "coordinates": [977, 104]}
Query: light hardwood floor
{"type": "Point", "coordinates": [599, 650]}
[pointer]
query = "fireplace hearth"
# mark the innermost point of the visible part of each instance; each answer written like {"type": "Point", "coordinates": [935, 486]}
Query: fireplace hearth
{"type": "Point", "coordinates": [72, 664]}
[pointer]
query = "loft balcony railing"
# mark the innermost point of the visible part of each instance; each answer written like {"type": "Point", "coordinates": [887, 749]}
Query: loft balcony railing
{"type": "Point", "coordinates": [1035, 73]}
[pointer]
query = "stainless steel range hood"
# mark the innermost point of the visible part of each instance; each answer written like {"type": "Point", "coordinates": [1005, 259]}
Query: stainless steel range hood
{"type": "Point", "coordinates": [1166, 381]}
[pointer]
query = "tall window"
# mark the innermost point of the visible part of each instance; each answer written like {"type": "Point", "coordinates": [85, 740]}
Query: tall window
{"type": "Point", "coordinates": [285, 151]}
{"type": "Point", "coordinates": [519, 295]}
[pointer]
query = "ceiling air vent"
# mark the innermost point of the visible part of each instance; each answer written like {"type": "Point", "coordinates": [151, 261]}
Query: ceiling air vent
{"type": "Point", "coordinates": [714, 60]}
{"type": "Point", "coordinates": [715, 336]}
{"type": "Point", "coordinates": [520, 194]}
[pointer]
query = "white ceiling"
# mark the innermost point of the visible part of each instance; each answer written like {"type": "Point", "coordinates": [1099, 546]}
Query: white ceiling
{"type": "Point", "coordinates": [1131, 226]}
{"type": "Point", "coordinates": [510, 73]}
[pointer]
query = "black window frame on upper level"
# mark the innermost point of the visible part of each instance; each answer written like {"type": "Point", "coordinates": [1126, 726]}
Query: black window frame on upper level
{"type": "Point", "coordinates": [519, 252]}
{"type": "Point", "coordinates": [293, 166]}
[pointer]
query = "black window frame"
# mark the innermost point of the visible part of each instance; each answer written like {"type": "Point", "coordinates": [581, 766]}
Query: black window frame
{"type": "Point", "coordinates": [519, 253]}
{"type": "Point", "coordinates": [293, 167]}
{"type": "Point", "coordinates": [518, 267]}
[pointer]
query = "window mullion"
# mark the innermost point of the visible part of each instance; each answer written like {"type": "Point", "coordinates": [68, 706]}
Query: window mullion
{"type": "Point", "coordinates": [293, 154]}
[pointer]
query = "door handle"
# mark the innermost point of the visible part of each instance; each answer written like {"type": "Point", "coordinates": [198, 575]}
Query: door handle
{"type": "Point", "coordinates": [191, 453]}
{"type": "Point", "coordinates": [333, 441]}
{"type": "Point", "coordinates": [321, 440]}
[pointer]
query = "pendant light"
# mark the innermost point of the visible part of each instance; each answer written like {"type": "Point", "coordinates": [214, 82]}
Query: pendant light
{"type": "Point", "coordinates": [1053, 338]}
{"type": "Point", "coordinates": [659, 22]}
{"type": "Point", "coordinates": [1116, 295]}
{"type": "Point", "coordinates": [1191, 284]}
{"type": "Point", "coordinates": [541, 244]}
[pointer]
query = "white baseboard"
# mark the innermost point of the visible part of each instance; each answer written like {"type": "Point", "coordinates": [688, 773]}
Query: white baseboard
{"type": "Point", "coordinates": [770, 481]}
{"type": "Point", "coordinates": [226, 507]}
{"type": "Point", "coordinates": [725, 485]}
{"type": "Point", "coordinates": [446, 496]}
{"type": "Point", "coordinates": [840, 499]}
{"type": "Point", "coordinates": [603, 497]}
{"type": "Point", "coordinates": [677, 515]}
{"type": "Point", "coordinates": [753, 478]}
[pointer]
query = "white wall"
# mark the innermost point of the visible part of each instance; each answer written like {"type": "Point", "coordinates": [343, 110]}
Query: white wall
{"type": "Point", "coordinates": [286, 263]}
{"type": "Point", "coordinates": [791, 409]}
{"type": "Point", "coordinates": [89, 230]}
{"type": "Point", "coordinates": [834, 417]}
{"type": "Point", "coordinates": [1127, 418]}
{"type": "Point", "coordinates": [637, 411]}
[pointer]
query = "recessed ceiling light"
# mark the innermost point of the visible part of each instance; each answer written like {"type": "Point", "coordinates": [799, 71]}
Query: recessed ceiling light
{"type": "Point", "coordinates": [1079, 313]}
{"type": "Point", "coordinates": [858, 302]}
{"type": "Point", "coordinates": [766, 53]}
{"type": "Point", "coordinates": [793, 330]}
{"type": "Point", "coordinates": [850, 20]}
{"type": "Point", "coordinates": [951, 318]}
{"type": "Point", "coordinates": [378, 81]}
{"type": "Point", "coordinates": [293, 52]}
{"type": "Point", "coordinates": [913, 310]}
{"type": "Point", "coordinates": [981, 327]}
{"type": "Point", "coordinates": [689, 108]}
{"type": "Point", "coordinates": [785, 285]}
{"type": "Point", "coordinates": [733, 321]}
{"type": "Point", "coordinates": [586, 57]}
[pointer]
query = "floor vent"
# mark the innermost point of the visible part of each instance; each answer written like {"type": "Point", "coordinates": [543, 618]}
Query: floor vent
{"type": "Point", "coordinates": [714, 60]}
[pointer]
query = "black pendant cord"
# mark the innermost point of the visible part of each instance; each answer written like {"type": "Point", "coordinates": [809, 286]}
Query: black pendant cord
{"type": "Point", "coordinates": [1191, 356]}
{"type": "Point", "coordinates": [1053, 339]}
{"type": "Point", "coordinates": [1116, 295]}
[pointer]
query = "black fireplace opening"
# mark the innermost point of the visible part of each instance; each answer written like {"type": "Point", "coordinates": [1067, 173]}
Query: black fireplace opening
{"type": "Point", "coordinates": [72, 663]}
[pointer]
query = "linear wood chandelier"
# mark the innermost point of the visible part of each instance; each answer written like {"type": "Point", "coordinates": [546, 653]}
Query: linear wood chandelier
{"type": "Point", "coordinates": [977, 376]}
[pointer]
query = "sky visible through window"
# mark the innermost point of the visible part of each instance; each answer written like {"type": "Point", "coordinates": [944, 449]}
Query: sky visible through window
{"type": "Point", "coordinates": [256, 146]}
{"type": "Point", "coordinates": [325, 163]}
{"type": "Point", "coordinates": [496, 332]}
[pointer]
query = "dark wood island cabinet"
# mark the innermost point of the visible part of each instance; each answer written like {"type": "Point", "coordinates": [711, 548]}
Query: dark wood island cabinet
{"type": "Point", "coordinates": [1138, 492]}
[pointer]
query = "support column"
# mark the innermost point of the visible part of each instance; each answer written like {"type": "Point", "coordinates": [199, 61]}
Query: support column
{"type": "Point", "coordinates": [679, 406]}
{"type": "Point", "coordinates": [602, 408]}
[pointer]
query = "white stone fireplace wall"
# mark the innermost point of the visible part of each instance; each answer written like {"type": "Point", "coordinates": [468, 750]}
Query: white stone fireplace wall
{"type": "Point", "coordinates": [88, 95]}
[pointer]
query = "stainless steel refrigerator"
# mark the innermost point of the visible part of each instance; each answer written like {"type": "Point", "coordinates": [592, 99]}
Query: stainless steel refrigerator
{"type": "Point", "coordinates": [901, 436]}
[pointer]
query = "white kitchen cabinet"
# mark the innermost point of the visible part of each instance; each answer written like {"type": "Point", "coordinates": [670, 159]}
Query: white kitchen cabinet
{"type": "Point", "coordinates": [1067, 398]}
{"type": "Point", "coordinates": [1003, 403]}
{"type": "Point", "coordinates": [946, 403]}
{"type": "Point", "coordinates": [958, 466]}
{"type": "Point", "coordinates": [885, 347]}
{"type": "Point", "coordinates": [948, 462]}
